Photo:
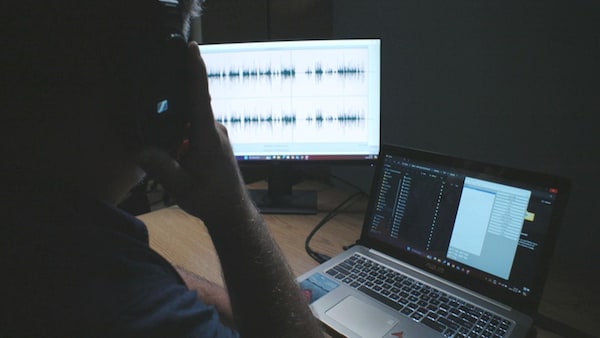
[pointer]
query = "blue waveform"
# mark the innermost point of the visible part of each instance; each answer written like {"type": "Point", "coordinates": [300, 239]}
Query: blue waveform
{"type": "Point", "coordinates": [341, 117]}
{"type": "Point", "coordinates": [318, 117]}
{"type": "Point", "coordinates": [340, 71]}
{"type": "Point", "coordinates": [285, 119]}
{"type": "Point", "coordinates": [248, 73]}
{"type": "Point", "coordinates": [284, 72]}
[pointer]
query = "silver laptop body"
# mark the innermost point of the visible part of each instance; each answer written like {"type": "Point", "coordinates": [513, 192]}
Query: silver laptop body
{"type": "Point", "coordinates": [449, 248]}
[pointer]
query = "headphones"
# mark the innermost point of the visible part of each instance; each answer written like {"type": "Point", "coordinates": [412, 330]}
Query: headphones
{"type": "Point", "coordinates": [162, 117]}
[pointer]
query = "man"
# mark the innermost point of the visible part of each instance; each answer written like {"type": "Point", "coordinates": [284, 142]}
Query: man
{"type": "Point", "coordinates": [73, 264]}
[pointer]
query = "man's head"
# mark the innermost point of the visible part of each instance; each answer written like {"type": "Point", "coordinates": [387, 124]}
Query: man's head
{"type": "Point", "coordinates": [72, 72]}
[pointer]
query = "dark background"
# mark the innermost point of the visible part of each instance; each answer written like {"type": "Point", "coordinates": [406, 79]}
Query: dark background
{"type": "Point", "coordinates": [511, 82]}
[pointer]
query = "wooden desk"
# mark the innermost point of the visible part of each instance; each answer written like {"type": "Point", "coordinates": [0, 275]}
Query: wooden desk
{"type": "Point", "coordinates": [184, 241]}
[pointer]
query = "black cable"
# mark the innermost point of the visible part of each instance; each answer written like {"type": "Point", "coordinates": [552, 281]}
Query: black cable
{"type": "Point", "coordinates": [319, 257]}
{"type": "Point", "coordinates": [347, 183]}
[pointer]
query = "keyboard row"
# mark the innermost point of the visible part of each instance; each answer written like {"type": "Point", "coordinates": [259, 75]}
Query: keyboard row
{"type": "Point", "coordinates": [423, 303]}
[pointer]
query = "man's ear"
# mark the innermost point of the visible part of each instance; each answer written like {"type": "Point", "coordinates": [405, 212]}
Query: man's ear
{"type": "Point", "coordinates": [163, 112]}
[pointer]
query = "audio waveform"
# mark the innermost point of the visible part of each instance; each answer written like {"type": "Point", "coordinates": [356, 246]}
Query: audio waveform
{"type": "Point", "coordinates": [343, 117]}
{"type": "Point", "coordinates": [252, 73]}
{"type": "Point", "coordinates": [341, 70]}
{"type": "Point", "coordinates": [318, 117]}
{"type": "Point", "coordinates": [285, 119]}
{"type": "Point", "coordinates": [284, 72]}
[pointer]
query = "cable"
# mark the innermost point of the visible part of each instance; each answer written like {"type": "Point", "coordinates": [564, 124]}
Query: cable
{"type": "Point", "coordinates": [347, 183]}
{"type": "Point", "coordinates": [319, 257]}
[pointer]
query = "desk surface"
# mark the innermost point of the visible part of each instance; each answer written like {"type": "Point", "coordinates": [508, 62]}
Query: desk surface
{"type": "Point", "coordinates": [184, 241]}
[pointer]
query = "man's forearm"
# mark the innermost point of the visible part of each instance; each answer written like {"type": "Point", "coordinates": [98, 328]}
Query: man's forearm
{"type": "Point", "coordinates": [264, 295]}
{"type": "Point", "coordinates": [206, 183]}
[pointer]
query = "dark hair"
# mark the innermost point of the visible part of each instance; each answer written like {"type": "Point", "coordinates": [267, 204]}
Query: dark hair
{"type": "Point", "coordinates": [60, 57]}
{"type": "Point", "coordinates": [57, 53]}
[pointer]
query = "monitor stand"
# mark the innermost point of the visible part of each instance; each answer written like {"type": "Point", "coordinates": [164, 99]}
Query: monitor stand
{"type": "Point", "coordinates": [280, 197]}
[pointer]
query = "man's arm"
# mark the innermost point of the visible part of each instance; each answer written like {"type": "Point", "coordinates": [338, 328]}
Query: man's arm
{"type": "Point", "coordinates": [260, 283]}
{"type": "Point", "coordinates": [210, 294]}
{"type": "Point", "coordinates": [206, 182]}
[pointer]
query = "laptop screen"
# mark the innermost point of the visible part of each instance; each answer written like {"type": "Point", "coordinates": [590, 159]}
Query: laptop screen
{"type": "Point", "coordinates": [483, 226]}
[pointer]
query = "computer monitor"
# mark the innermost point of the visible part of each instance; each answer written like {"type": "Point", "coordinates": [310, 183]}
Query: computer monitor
{"type": "Point", "coordinates": [286, 103]}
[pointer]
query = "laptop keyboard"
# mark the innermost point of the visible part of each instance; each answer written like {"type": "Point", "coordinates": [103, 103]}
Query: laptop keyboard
{"type": "Point", "coordinates": [444, 313]}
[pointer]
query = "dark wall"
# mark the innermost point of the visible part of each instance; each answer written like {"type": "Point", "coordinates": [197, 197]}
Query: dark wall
{"type": "Point", "coordinates": [510, 82]}
{"type": "Point", "coordinates": [259, 20]}
{"type": "Point", "coordinates": [234, 21]}
{"type": "Point", "coordinates": [513, 82]}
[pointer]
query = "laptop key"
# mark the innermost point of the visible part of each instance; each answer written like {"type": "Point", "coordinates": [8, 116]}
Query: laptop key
{"type": "Point", "coordinates": [433, 324]}
{"type": "Point", "coordinates": [346, 265]}
{"type": "Point", "coordinates": [448, 323]}
{"type": "Point", "coordinates": [449, 333]}
{"type": "Point", "coordinates": [468, 318]}
{"type": "Point", "coordinates": [417, 316]}
{"type": "Point", "coordinates": [341, 270]}
{"type": "Point", "coordinates": [407, 311]}
{"type": "Point", "coordinates": [380, 298]}
{"type": "Point", "coordinates": [459, 321]}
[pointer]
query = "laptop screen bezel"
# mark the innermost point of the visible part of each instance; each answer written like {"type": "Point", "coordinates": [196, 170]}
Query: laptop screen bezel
{"type": "Point", "coordinates": [527, 304]}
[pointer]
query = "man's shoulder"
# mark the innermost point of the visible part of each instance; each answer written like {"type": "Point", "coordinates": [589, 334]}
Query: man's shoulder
{"type": "Point", "coordinates": [84, 248]}
{"type": "Point", "coordinates": [88, 270]}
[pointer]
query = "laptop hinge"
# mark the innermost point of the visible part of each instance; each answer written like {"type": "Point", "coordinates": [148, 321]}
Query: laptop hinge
{"type": "Point", "coordinates": [432, 276]}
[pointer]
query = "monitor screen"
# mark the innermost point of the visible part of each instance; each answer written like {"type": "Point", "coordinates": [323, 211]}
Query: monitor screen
{"type": "Point", "coordinates": [311, 100]}
{"type": "Point", "coordinates": [286, 103]}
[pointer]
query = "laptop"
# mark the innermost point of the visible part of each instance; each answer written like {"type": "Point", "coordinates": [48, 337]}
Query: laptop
{"type": "Point", "coordinates": [449, 248]}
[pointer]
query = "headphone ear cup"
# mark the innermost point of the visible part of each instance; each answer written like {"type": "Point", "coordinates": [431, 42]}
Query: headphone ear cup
{"type": "Point", "coordinates": [164, 120]}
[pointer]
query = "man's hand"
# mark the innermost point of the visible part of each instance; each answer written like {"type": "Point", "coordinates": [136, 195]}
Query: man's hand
{"type": "Point", "coordinates": [206, 181]}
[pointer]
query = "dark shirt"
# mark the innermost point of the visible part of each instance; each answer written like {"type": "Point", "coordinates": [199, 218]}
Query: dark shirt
{"type": "Point", "coordinates": [76, 267]}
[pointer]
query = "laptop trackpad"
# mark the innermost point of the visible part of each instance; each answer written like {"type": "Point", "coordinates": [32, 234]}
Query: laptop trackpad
{"type": "Point", "coordinates": [362, 318]}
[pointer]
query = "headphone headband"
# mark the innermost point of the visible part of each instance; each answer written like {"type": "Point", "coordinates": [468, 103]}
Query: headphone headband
{"type": "Point", "coordinates": [170, 16]}
{"type": "Point", "coordinates": [162, 119]}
